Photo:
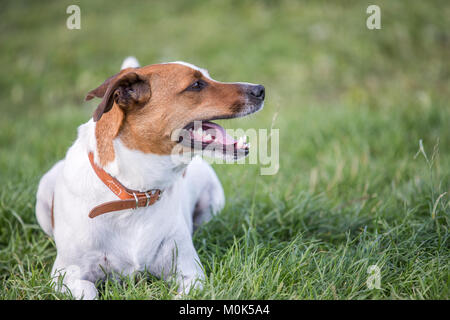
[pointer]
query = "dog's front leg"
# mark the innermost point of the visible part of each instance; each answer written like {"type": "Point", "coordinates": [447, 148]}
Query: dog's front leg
{"type": "Point", "coordinates": [178, 260]}
{"type": "Point", "coordinates": [189, 272]}
{"type": "Point", "coordinates": [69, 277]}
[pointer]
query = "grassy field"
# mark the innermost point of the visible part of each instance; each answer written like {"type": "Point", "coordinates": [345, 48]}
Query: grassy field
{"type": "Point", "coordinates": [354, 187]}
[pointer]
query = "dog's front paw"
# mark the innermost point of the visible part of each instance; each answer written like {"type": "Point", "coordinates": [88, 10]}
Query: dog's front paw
{"type": "Point", "coordinates": [187, 285]}
{"type": "Point", "coordinates": [83, 290]}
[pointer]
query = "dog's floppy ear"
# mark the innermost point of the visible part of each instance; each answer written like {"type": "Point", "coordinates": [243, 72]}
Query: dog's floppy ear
{"type": "Point", "coordinates": [100, 91]}
{"type": "Point", "coordinates": [126, 88]}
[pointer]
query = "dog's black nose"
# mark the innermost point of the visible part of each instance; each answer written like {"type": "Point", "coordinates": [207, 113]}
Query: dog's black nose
{"type": "Point", "coordinates": [257, 91]}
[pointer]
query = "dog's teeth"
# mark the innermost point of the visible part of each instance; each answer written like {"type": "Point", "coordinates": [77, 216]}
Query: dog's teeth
{"type": "Point", "coordinates": [240, 143]}
{"type": "Point", "coordinates": [208, 137]}
{"type": "Point", "coordinates": [243, 139]}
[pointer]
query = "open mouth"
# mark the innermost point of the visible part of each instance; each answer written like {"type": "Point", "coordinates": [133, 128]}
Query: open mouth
{"type": "Point", "coordinates": [207, 135]}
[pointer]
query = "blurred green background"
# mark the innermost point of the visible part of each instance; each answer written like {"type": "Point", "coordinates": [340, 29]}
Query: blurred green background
{"type": "Point", "coordinates": [351, 105]}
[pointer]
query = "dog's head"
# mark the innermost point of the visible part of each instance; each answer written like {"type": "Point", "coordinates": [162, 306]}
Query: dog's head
{"type": "Point", "coordinates": [146, 105]}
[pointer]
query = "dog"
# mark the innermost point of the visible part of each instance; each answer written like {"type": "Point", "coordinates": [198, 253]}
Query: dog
{"type": "Point", "coordinates": [118, 203]}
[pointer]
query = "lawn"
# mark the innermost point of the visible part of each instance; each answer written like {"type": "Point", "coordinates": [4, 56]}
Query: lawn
{"type": "Point", "coordinates": [364, 149]}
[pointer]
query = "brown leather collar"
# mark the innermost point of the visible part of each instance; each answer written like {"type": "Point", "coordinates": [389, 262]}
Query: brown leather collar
{"type": "Point", "coordinates": [130, 199]}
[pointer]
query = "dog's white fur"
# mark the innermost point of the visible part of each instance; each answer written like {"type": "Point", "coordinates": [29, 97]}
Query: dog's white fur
{"type": "Point", "coordinates": [157, 239]}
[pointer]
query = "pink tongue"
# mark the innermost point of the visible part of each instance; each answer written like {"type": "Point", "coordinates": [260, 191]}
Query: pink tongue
{"type": "Point", "coordinates": [219, 132]}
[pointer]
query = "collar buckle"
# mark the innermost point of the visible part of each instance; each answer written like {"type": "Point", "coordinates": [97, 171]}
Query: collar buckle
{"type": "Point", "coordinates": [137, 200]}
{"type": "Point", "coordinates": [147, 203]}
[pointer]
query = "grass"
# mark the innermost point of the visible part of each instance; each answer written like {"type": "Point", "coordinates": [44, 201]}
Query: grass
{"type": "Point", "coordinates": [354, 108]}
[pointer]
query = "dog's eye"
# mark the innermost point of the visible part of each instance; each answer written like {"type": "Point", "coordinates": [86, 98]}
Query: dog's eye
{"type": "Point", "coordinates": [197, 86]}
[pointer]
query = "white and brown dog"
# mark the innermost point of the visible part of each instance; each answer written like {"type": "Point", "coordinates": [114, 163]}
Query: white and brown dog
{"type": "Point", "coordinates": [118, 203]}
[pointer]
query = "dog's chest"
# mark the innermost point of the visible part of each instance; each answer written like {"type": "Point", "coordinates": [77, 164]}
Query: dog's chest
{"type": "Point", "coordinates": [135, 242]}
